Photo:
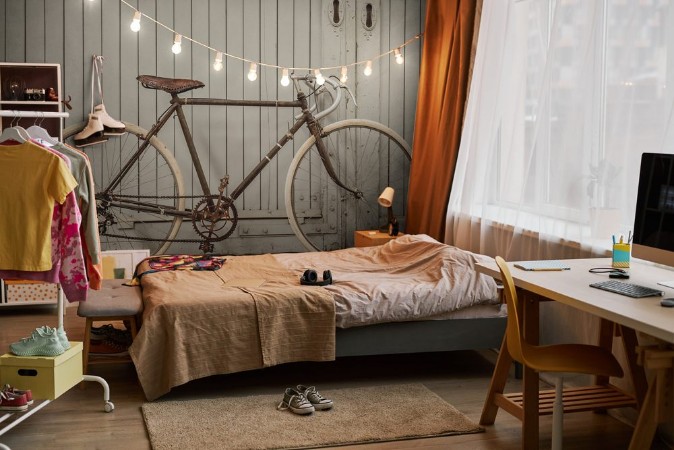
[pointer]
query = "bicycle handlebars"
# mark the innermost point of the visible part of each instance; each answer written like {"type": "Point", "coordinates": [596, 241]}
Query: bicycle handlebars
{"type": "Point", "coordinates": [336, 86]}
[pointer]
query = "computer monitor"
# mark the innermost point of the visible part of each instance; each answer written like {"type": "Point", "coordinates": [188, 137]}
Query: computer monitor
{"type": "Point", "coordinates": [653, 238]}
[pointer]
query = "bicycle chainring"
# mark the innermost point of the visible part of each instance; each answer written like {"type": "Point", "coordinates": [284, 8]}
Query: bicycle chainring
{"type": "Point", "coordinates": [216, 222]}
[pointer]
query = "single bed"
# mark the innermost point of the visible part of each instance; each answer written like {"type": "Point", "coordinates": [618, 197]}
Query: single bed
{"type": "Point", "coordinates": [410, 295]}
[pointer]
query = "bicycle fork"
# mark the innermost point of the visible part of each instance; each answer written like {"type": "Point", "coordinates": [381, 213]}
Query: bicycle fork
{"type": "Point", "coordinates": [317, 132]}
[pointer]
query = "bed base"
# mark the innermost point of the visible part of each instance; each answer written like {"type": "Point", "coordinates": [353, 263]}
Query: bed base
{"type": "Point", "coordinates": [422, 336]}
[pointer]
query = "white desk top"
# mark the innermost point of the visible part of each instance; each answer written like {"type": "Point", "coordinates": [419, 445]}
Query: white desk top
{"type": "Point", "coordinates": [571, 287]}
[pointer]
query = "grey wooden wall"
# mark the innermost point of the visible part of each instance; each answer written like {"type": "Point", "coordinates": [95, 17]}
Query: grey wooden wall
{"type": "Point", "coordinates": [285, 32]}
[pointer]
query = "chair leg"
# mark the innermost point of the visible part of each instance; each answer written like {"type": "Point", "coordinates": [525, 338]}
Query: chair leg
{"type": "Point", "coordinates": [87, 343]}
{"type": "Point", "coordinates": [558, 415]}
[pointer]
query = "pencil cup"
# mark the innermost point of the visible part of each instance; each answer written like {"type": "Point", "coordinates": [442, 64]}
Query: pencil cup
{"type": "Point", "coordinates": [621, 255]}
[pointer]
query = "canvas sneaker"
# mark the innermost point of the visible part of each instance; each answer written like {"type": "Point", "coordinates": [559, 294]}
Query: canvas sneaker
{"type": "Point", "coordinates": [317, 400]}
{"type": "Point", "coordinates": [42, 342]}
{"type": "Point", "coordinates": [12, 402]}
{"type": "Point", "coordinates": [296, 402]}
{"type": "Point", "coordinates": [26, 392]}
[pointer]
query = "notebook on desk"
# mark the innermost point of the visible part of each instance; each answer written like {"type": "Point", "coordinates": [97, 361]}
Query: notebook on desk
{"type": "Point", "coordinates": [542, 265]}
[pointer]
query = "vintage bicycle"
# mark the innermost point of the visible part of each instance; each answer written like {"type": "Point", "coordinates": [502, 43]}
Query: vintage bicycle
{"type": "Point", "coordinates": [331, 189]}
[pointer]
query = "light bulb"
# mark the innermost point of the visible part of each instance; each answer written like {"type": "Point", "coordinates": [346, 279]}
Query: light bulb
{"type": "Point", "coordinates": [217, 64]}
{"type": "Point", "coordinates": [135, 23]}
{"type": "Point", "coordinates": [319, 77]}
{"type": "Point", "coordinates": [285, 79]}
{"type": "Point", "coordinates": [368, 69]}
{"type": "Point", "coordinates": [343, 76]}
{"type": "Point", "coordinates": [176, 44]}
{"type": "Point", "coordinates": [398, 56]}
{"type": "Point", "coordinates": [252, 73]}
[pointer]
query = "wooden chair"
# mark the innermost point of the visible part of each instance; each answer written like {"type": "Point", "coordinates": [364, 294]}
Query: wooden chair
{"type": "Point", "coordinates": [558, 358]}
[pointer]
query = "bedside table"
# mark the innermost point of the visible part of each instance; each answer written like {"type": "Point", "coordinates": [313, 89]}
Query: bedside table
{"type": "Point", "coordinates": [371, 238]}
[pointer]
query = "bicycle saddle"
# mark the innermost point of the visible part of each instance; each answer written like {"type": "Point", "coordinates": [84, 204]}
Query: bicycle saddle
{"type": "Point", "coordinates": [170, 85]}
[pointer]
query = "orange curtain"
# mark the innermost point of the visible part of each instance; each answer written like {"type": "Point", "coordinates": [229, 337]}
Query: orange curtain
{"type": "Point", "coordinates": [443, 90]}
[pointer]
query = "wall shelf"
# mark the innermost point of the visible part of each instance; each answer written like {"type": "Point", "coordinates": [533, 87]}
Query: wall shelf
{"type": "Point", "coordinates": [15, 78]}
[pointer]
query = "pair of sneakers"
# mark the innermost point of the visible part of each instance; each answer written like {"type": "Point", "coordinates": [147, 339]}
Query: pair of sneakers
{"type": "Point", "coordinates": [303, 400]}
{"type": "Point", "coordinates": [15, 400]}
{"type": "Point", "coordinates": [43, 341]}
{"type": "Point", "coordinates": [100, 126]}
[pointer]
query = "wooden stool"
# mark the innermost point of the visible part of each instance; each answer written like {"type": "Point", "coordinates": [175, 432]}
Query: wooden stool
{"type": "Point", "coordinates": [113, 301]}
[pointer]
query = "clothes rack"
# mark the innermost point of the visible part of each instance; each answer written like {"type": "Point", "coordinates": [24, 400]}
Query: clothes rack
{"type": "Point", "coordinates": [19, 417]}
{"type": "Point", "coordinates": [36, 114]}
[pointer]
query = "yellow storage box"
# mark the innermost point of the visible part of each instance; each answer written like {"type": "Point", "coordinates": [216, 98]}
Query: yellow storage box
{"type": "Point", "coordinates": [46, 376]}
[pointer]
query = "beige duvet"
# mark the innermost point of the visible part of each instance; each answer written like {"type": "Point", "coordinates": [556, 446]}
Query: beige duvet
{"type": "Point", "coordinates": [253, 313]}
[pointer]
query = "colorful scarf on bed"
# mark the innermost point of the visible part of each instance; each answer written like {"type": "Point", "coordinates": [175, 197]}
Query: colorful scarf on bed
{"type": "Point", "coordinates": [178, 262]}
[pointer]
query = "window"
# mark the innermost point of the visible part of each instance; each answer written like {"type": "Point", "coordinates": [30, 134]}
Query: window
{"type": "Point", "coordinates": [566, 95]}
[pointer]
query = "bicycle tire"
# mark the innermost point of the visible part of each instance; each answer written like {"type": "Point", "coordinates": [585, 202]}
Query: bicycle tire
{"type": "Point", "coordinates": [156, 174]}
{"type": "Point", "coordinates": [366, 155]}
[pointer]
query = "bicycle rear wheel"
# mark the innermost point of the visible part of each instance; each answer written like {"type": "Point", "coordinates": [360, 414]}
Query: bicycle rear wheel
{"type": "Point", "coordinates": [368, 157]}
{"type": "Point", "coordinates": [154, 179]}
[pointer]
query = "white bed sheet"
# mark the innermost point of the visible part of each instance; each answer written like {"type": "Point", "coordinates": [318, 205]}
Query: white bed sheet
{"type": "Point", "coordinates": [413, 277]}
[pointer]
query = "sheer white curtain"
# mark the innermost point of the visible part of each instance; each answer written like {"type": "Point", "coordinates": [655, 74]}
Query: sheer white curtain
{"type": "Point", "coordinates": [565, 97]}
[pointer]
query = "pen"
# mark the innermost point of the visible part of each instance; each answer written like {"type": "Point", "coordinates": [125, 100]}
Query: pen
{"type": "Point", "coordinates": [621, 238]}
{"type": "Point", "coordinates": [613, 237]}
{"type": "Point", "coordinates": [629, 237]}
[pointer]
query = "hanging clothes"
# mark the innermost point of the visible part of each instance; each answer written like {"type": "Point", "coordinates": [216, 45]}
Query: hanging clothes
{"type": "Point", "coordinates": [67, 260]}
{"type": "Point", "coordinates": [32, 182]}
{"type": "Point", "coordinates": [86, 196]}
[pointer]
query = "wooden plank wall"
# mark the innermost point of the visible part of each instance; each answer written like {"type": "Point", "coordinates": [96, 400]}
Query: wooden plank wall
{"type": "Point", "coordinates": [230, 140]}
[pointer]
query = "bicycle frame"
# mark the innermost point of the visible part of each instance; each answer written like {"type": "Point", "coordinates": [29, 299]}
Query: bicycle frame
{"type": "Point", "coordinates": [176, 106]}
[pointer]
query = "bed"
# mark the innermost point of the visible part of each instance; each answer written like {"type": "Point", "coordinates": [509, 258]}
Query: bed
{"type": "Point", "coordinates": [412, 294]}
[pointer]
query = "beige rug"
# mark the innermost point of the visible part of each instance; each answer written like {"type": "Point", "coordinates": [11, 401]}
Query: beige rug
{"type": "Point", "coordinates": [370, 414]}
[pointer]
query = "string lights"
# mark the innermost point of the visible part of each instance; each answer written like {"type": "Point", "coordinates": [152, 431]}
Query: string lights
{"type": "Point", "coordinates": [285, 79]}
{"type": "Point", "coordinates": [217, 63]}
{"type": "Point", "coordinates": [368, 68]}
{"type": "Point", "coordinates": [253, 65]}
{"type": "Point", "coordinates": [135, 23]}
{"type": "Point", "coordinates": [398, 56]}
{"type": "Point", "coordinates": [252, 72]}
{"type": "Point", "coordinates": [177, 48]}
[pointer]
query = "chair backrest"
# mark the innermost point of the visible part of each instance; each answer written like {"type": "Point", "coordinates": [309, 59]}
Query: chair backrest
{"type": "Point", "coordinates": [513, 328]}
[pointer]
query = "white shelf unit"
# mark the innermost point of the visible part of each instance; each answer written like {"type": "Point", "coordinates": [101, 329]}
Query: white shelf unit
{"type": "Point", "coordinates": [15, 110]}
{"type": "Point", "coordinates": [15, 78]}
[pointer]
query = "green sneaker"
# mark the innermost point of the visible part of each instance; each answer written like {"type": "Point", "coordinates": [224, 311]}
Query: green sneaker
{"type": "Point", "coordinates": [40, 343]}
{"type": "Point", "coordinates": [60, 334]}
{"type": "Point", "coordinates": [63, 339]}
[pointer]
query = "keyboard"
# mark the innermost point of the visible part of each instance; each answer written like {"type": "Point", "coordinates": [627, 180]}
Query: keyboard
{"type": "Point", "coordinates": [622, 288]}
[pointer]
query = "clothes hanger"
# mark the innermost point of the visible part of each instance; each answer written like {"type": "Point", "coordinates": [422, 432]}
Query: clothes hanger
{"type": "Point", "coordinates": [37, 132]}
{"type": "Point", "coordinates": [15, 133]}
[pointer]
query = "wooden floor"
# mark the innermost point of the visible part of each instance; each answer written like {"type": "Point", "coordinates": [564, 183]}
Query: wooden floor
{"type": "Point", "coordinates": [76, 419]}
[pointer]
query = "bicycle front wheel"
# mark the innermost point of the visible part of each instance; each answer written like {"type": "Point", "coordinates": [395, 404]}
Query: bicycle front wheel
{"type": "Point", "coordinates": [154, 180]}
{"type": "Point", "coordinates": [367, 157]}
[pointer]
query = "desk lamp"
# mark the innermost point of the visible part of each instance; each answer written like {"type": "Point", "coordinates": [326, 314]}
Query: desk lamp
{"type": "Point", "coordinates": [386, 200]}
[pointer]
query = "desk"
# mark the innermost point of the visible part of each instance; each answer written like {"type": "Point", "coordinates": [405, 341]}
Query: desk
{"type": "Point", "coordinates": [571, 287]}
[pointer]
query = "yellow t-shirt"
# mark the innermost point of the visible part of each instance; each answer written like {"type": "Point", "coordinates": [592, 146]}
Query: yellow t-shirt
{"type": "Point", "coordinates": [32, 179]}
